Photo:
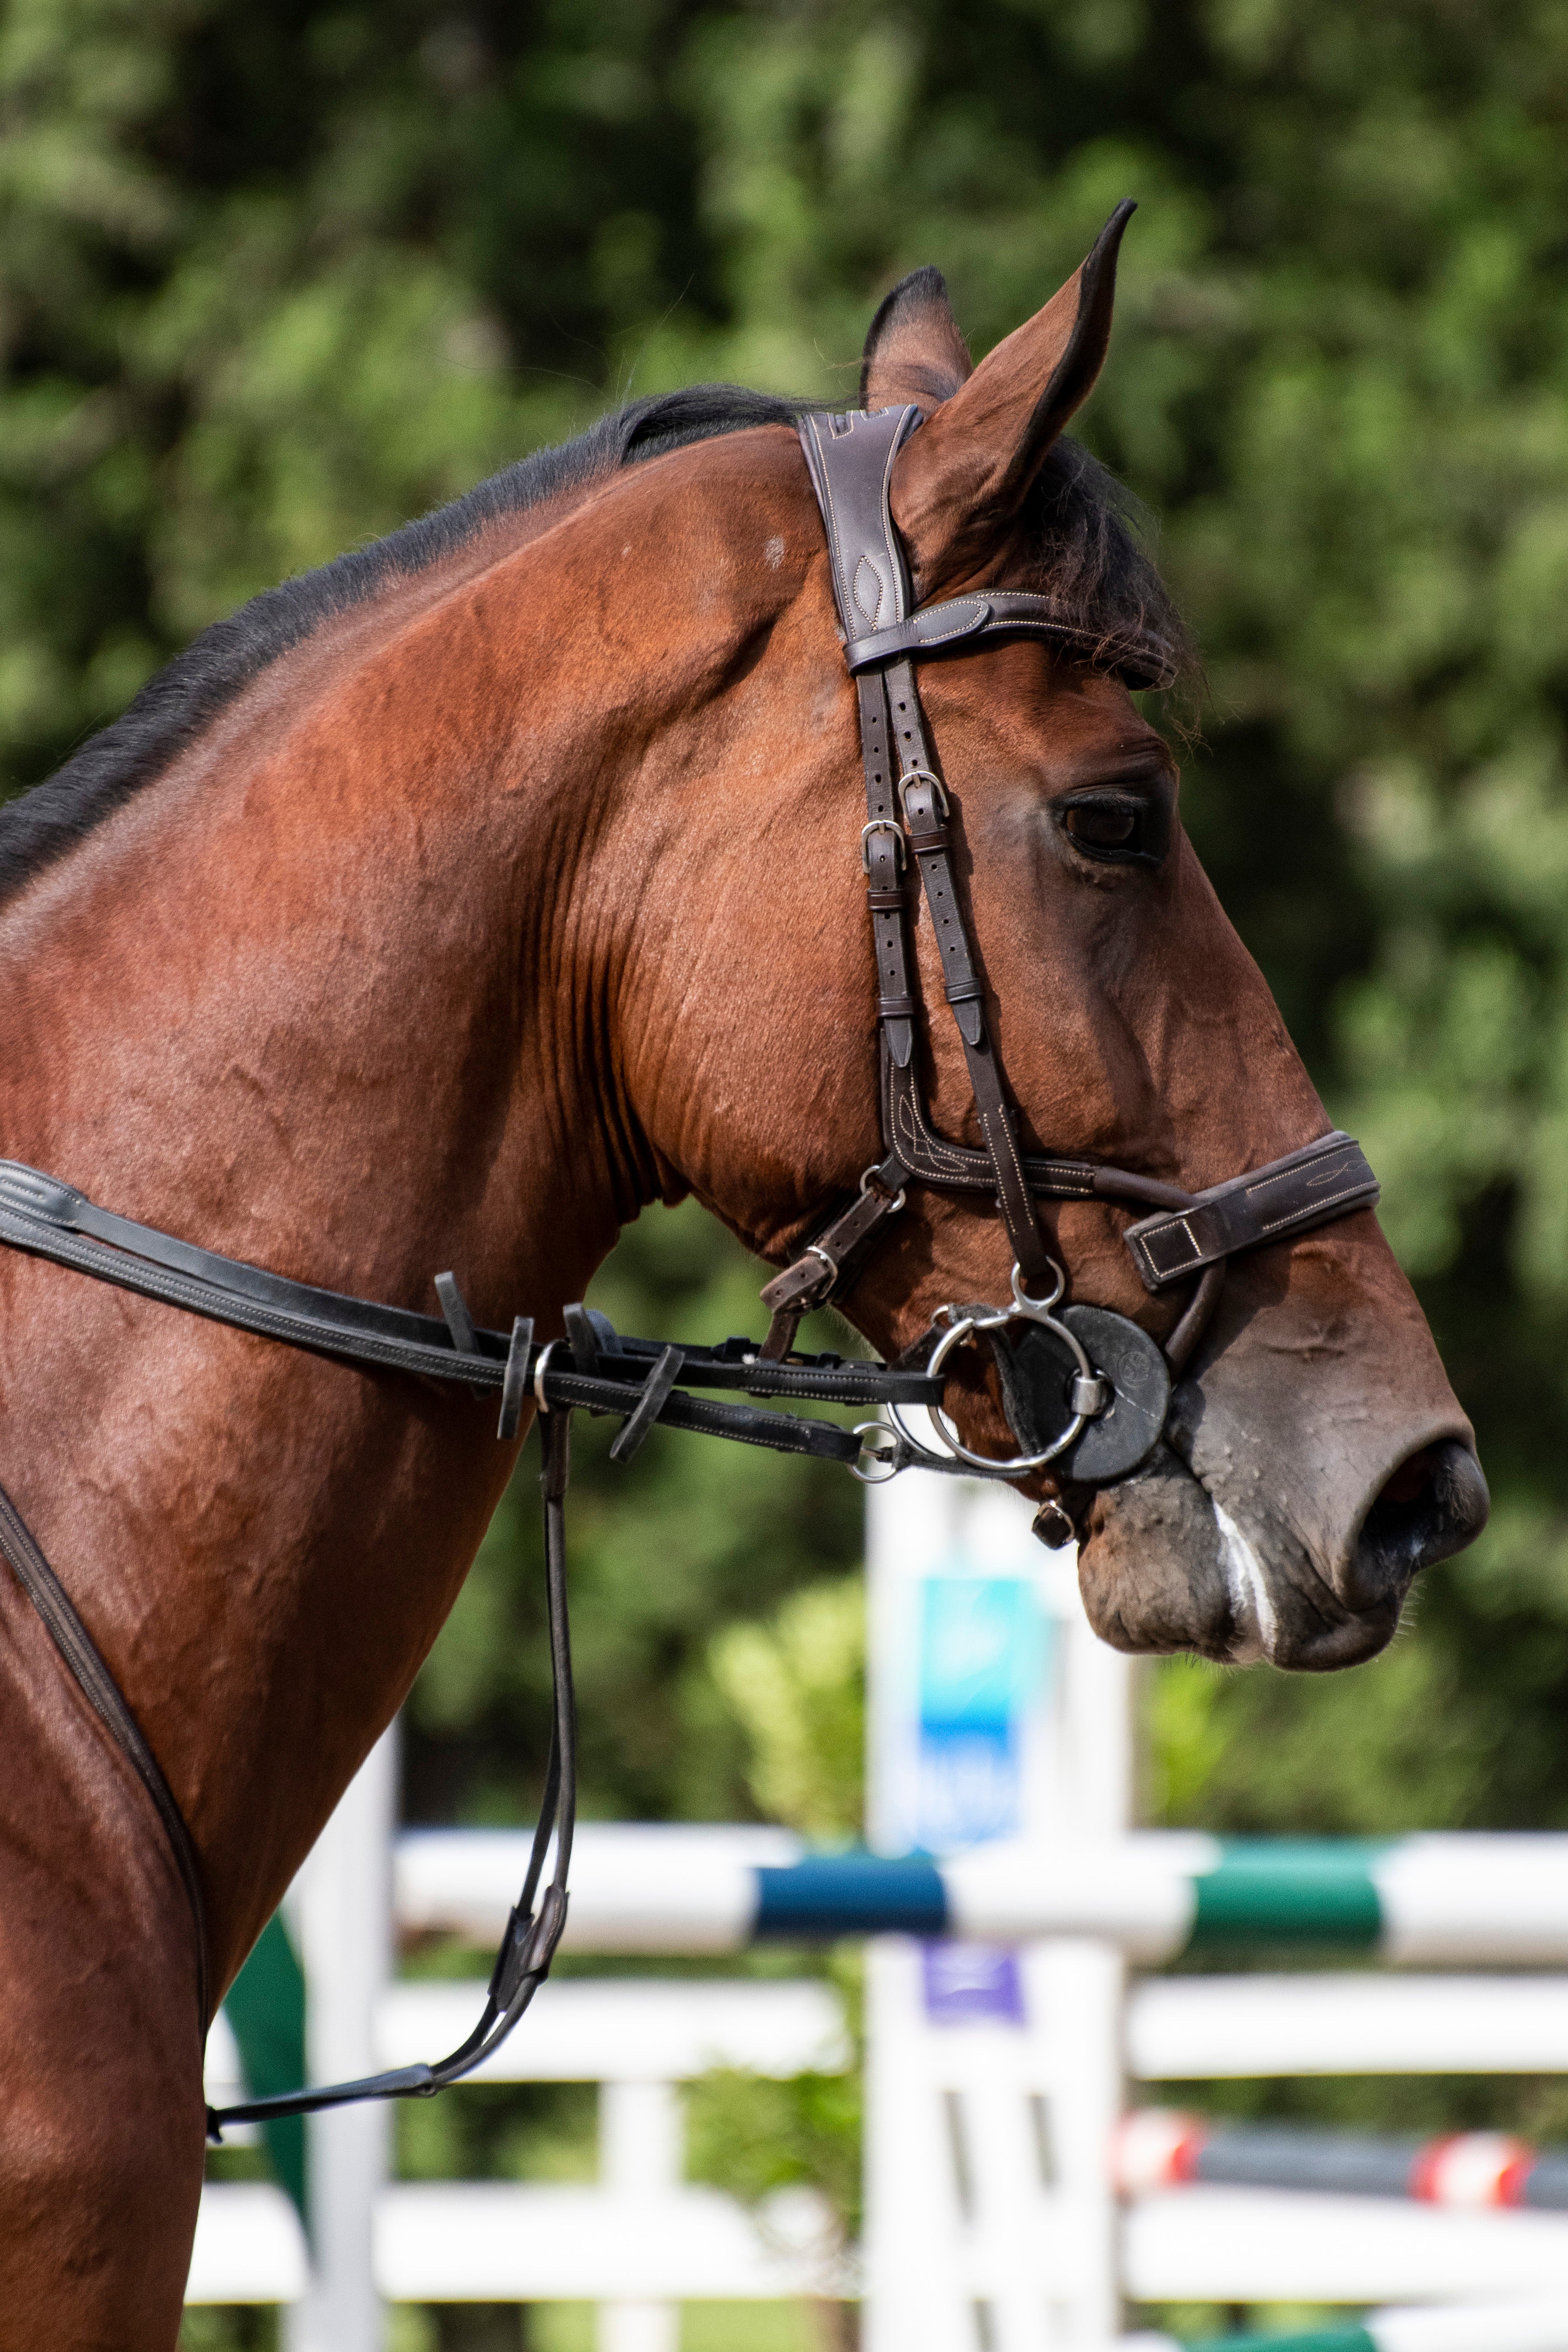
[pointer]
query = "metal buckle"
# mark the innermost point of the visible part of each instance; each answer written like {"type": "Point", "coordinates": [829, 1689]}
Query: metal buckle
{"type": "Point", "coordinates": [1086, 1381]}
{"type": "Point", "coordinates": [822, 1288]}
{"type": "Point", "coordinates": [1054, 1525]}
{"type": "Point", "coordinates": [900, 847]}
{"type": "Point", "coordinates": [879, 1451]}
{"type": "Point", "coordinates": [895, 1200]}
{"type": "Point", "coordinates": [539, 1371]}
{"type": "Point", "coordinates": [920, 776]}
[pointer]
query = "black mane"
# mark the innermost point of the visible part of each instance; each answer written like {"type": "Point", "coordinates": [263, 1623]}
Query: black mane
{"type": "Point", "coordinates": [1087, 553]}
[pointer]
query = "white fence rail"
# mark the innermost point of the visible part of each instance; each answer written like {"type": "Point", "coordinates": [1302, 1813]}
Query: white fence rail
{"type": "Point", "coordinates": [631, 2237]}
{"type": "Point", "coordinates": [996, 2072]}
{"type": "Point", "coordinates": [977, 2102]}
{"type": "Point", "coordinates": [1210, 2027]}
{"type": "Point", "coordinates": [1263, 2245]}
{"type": "Point", "coordinates": [637, 2242]}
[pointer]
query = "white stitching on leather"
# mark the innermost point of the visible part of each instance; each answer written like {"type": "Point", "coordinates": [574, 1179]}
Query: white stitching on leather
{"type": "Point", "coordinates": [1314, 1208]}
{"type": "Point", "coordinates": [1324, 1150]}
{"type": "Point", "coordinates": [909, 1107]}
{"type": "Point", "coordinates": [914, 639]}
{"type": "Point", "coordinates": [1001, 1119]}
{"type": "Point", "coordinates": [1169, 1232]}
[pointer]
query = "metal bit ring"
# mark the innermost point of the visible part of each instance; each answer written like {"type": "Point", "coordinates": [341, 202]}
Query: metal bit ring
{"type": "Point", "coordinates": [1024, 1310]}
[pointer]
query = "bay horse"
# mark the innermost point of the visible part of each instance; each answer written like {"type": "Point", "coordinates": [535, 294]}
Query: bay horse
{"type": "Point", "coordinates": [447, 907]}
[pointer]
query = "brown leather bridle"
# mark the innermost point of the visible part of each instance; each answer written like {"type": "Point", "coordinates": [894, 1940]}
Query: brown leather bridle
{"type": "Point", "coordinates": [1109, 1404]}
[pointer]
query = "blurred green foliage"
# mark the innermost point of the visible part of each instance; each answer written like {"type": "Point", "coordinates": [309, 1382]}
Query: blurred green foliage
{"type": "Point", "coordinates": [797, 1689]}
{"type": "Point", "coordinates": [686, 1538]}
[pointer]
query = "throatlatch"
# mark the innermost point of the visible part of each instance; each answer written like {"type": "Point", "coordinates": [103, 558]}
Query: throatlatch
{"type": "Point", "coordinates": [1082, 1387]}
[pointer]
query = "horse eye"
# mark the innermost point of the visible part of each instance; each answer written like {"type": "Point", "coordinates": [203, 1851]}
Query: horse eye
{"type": "Point", "coordinates": [1103, 824]}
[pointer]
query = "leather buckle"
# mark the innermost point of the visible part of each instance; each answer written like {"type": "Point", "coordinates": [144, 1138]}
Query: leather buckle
{"type": "Point", "coordinates": [900, 848]}
{"type": "Point", "coordinates": [873, 1188]}
{"type": "Point", "coordinates": [921, 776]}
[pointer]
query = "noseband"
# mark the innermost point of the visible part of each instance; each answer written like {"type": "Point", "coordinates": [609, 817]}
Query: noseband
{"type": "Point", "coordinates": [1081, 1386]}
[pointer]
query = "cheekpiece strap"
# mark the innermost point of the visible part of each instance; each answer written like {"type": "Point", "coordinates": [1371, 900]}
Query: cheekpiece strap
{"type": "Point", "coordinates": [850, 458]}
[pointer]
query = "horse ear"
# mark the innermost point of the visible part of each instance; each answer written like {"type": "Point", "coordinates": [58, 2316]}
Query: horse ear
{"type": "Point", "coordinates": [959, 482]}
{"type": "Point", "coordinates": [914, 351]}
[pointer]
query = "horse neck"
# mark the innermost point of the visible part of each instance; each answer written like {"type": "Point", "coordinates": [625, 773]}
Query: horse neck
{"type": "Point", "coordinates": [328, 1003]}
{"type": "Point", "coordinates": [317, 977]}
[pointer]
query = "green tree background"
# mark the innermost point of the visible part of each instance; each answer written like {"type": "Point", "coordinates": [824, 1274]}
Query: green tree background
{"type": "Point", "coordinates": [275, 277]}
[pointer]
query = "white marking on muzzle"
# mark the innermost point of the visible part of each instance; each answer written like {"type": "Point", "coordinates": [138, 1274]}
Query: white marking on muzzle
{"type": "Point", "coordinates": [1257, 1627]}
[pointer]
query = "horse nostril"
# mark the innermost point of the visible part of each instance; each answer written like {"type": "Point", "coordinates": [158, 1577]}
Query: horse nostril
{"type": "Point", "coordinates": [1434, 1505]}
{"type": "Point", "coordinates": [1412, 1480]}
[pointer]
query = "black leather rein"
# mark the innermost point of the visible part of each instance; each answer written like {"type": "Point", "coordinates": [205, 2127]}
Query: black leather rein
{"type": "Point", "coordinates": [1083, 1387]}
{"type": "Point", "coordinates": [595, 1368]}
{"type": "Point", "coordinates": [598, 1369]}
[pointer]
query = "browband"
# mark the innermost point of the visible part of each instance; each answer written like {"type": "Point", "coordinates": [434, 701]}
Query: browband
{"type": "Point", "coordinates": [1140, 661]}
{"type": "Point", "coordinates": [870, 580]}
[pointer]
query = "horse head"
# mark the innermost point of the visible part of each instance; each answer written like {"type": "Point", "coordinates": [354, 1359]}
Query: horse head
{"type": "Point", "coordinates": [451, 903]}
{"type": "Point", "coordinates": [1314, 1457]}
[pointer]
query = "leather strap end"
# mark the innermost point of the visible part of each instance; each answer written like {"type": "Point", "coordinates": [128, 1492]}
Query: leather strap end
{"type": "Point", "coordinates": [581, 1338]}
{"type": "Point", "coordinates": [783, 1325]}
{"type": "Point", "coordinates": [804, 1285]}
{"type": "Point", "coordinates": [455, 1308]}
{"type": "Point", "coordinates": [656, 1389]}
{"type": "Point", "coordinates": [814, 1275]}
{"type": "Point", "coordinates": [459, 1322]}
{"type": "Point", "coordinates": [515, 1387]}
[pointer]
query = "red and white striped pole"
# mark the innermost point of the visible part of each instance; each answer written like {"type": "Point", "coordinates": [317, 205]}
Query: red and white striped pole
{"type": "Point", "coordinates": [1155, 2148]}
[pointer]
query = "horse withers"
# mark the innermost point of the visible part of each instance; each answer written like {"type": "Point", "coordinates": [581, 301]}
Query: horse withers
{"type": "Point", "coordinates": [444, 909]}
